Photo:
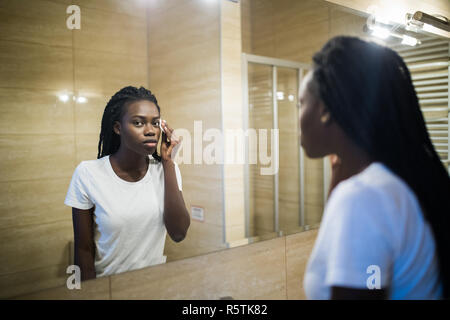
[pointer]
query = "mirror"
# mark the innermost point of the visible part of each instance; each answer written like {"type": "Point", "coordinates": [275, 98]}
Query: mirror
{"type": "Point", "coordinates": [56, 81]}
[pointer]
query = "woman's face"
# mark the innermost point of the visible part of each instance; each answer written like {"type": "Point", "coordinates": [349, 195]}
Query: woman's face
{"type": "Point", "coordinates": [139, 124]}
{"type": "Point", "coordinates": [314, 132]}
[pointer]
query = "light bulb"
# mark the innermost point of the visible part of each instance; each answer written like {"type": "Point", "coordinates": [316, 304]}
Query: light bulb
{"type": "Point", "coordinates": [63, 97]}
{"type": "Point", "coordinates": [410, 41]}
{"type": "Point", "coordinates": [381, 33]}
{"type": "Point", "coordinates": [81, 99]}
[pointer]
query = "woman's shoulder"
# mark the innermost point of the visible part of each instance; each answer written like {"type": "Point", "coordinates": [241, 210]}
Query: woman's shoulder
{"type": "Point", "coordinates": [352, 193]}
{"type": "Point", "coordinates": [377, 192]}
{"type": "Point", "coordinates": [90, 167]}
{"type": "Point", "coordinates": [376, 182]}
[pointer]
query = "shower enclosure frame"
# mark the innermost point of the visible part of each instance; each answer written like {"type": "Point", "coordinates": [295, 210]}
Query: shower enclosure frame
{"type": "Point", "coordinates": [275, 63]}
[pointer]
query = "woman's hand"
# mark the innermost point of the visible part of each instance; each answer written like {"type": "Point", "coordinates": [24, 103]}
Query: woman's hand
{"type": "Point", "coordinates": [169, 141]}
{"type": "Point", "coordinates": [176, 217]}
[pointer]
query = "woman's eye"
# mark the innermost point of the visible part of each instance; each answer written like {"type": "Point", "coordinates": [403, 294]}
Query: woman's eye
{"type": "Point", "coordinates": [137, 122]}
{"type": "Point", "coordinates": [156, 124]}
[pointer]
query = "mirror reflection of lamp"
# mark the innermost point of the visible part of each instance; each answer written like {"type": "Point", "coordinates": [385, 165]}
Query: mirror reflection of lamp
{"type": "Point", "coordinates": [420, 20]}
{"type": "Point", "coordinates": [384, 31]}
{"type": "Point", "coordinates": [280, 95]}
{"type": "Point", "coordinates": [81, 99]}
{"type": "Point", "coordinates": [63, 97]}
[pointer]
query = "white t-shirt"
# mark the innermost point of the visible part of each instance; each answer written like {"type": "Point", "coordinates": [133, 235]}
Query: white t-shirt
{"type": "Point", "coordinates": [373, 232]}
{"type": "Point", "coordinates": [128, 217]}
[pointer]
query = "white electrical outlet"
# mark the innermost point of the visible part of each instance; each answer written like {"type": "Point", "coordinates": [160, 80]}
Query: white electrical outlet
{"type": "Point", "coordinates": [197, 213]}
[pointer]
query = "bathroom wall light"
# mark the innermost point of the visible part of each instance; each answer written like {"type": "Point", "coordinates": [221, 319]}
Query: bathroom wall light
{"type": "Point", "coordinates": [437, 24]}
{"type": "Point", "coordinates": [409, 41]}
{"type": "Point", "coordinates": [280, 95]}
{"type": "Point", "coordinates": [81, 100]}
{"type": "Point", "coordinates": [440, 22]}
{"type": "Point", "coordinates": [63, 97]}
{"type": "Point", "coordinates": [384, 32]}
{"type": "Point", "coordinates": [380, 32]}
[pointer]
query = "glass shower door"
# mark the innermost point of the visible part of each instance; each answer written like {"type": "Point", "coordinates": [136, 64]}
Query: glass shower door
{"type": "Point", "coordinates": [260, 117]}
{"type": "Point", "coordinates": [289, 165]}
{"type": "Point", "coordinates": [274, 200]}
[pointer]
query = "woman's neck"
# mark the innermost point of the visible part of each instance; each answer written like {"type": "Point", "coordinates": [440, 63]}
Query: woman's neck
{"type": "Point", "coordinates": [129, 161]}
{"type": "Point", "coordinates": [353, 160]}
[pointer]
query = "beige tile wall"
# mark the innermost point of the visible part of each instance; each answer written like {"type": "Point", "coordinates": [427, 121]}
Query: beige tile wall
{"type": "Point", "coordinates": [271, 269]}
{"type": "Point", "coordinates": [42, 139]}
{"type": "Point", "coordinates": [232, 115]}
{"type": "Point", "coordinates": [184, 64]}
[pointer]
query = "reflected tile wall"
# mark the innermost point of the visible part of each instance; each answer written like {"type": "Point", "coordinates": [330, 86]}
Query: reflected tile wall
{"type": "Point", "coordinates": [43, 139]}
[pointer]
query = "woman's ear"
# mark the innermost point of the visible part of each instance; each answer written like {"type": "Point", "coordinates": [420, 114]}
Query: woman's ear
{"type": "Point", "coordinates": [325, 118]}
{"type": "Point", "coordinates": [116, 127]}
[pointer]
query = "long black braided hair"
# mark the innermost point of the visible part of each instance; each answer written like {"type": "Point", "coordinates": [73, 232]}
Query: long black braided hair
{"type": "Point", "coordinates": [115, 109]}
{"type": "Point", "coordinates": [368, 90]}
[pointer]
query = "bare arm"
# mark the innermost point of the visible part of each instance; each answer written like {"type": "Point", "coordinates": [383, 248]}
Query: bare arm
{"type": "Point", "coordinates": [176, 216]}
{"type": "Point", "coordinates": [84, 245]}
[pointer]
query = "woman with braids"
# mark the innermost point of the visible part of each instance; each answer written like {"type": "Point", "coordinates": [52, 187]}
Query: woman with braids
{"type": "Point", "coordinates": [124, 202]}
{"type": "Point", "coordinates": [385, 230]}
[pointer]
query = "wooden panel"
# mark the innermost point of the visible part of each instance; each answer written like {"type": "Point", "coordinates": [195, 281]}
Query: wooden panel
{"type": "Point", "coordinates": [23, 157]}
{"type": "Point", "coordinates": [263, 28]}
{"type": "Point", "coordinates": [21, 283]}
{"type": "Point", "coordinates": [298, 249]}
{"type": "Point", "coordinates": [87, 147]}
{"type": "Point", "coordinates": [95, 289]}
{"type": "Point", "coordinates": [201, 238]}
{"type": "Point", "coordinates": [105, 72]}
{"type": "Point", "coordinates": [256, 271]}
{"type": "Point", "coordinates": [88, 116]}
{"type": "Point", "coordinates": [232, 115]}
{"type": "Point", "coordinates": [26, 65]}
{"type": "Point", "coordinates": [31, 202]}
{"type": "Point", "coordinates": [131, 8]}
{"type": "Point", "coordinates": [40, 245]}
{"type": "Point", "coordinates": [344, 23]}
{"type": "Point", "coordinates": [112, 33]}
{"type": "Point", "coordinates": [202, 186]}
{"type": "Point", "coordinates": [271, 269]}
{"type": "Point", "coordinates": [39, 22]}
{"type": "Point", "coordinates": [288, 29]}
{"type": "Point", "coordinates": [246, 26]}
{"type": "Point", "coordinates": [42, 139]}
{"type": "Point", "coordinates": [31, 111]}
